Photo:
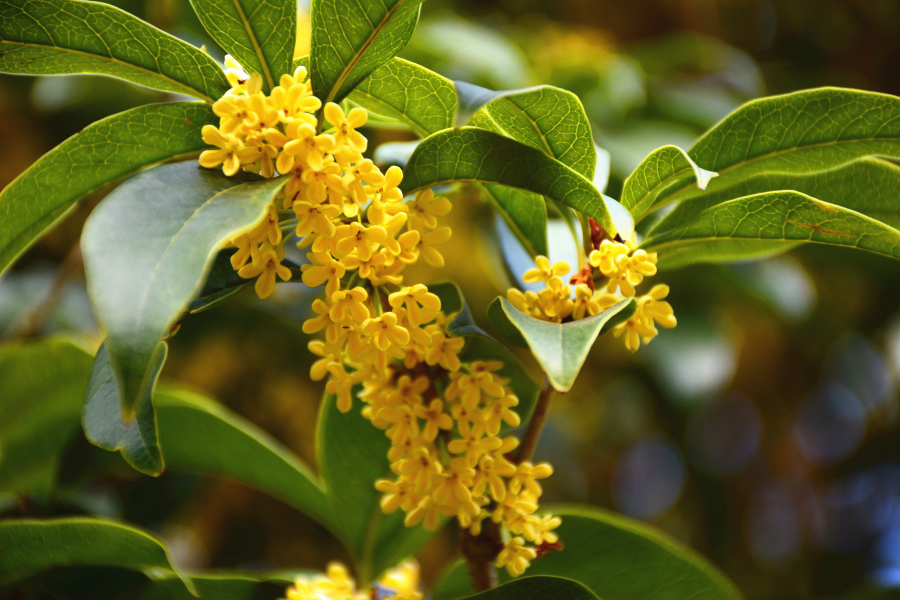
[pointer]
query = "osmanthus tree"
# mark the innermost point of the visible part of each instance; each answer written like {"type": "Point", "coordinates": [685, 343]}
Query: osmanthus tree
{"type": "Point", "coordinates": [413, 430]}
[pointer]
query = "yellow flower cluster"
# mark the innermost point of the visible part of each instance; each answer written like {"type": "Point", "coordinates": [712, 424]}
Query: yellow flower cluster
{"type": "Point", "coordinates": [443, 417]}
{"type": "Point", "coordinates": [399, 583]}
{"type": "Point", "coordinates": [329, 187]}
{"type": "Point", "coordinates": [624, 266]}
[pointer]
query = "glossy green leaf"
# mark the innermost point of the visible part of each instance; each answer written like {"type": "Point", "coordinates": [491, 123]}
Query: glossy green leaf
{"type": "Point", "coordinates": [538, 588]}
{"type": "Point", "coordinates": [137, 438]}
{"type": "Point", "coordinates": [147, 249]}
{"type": "Point", "coordinates": [63, 37]}
{"type": "Point", "coordinates": [410, 94]}
{"type": "Point", "coordinates": [869, 186]}
{"type": "Point", "coordinates": [259, 34]}
{"type": "Point", "coordinates": [477, 155]}
{"type": "Point", "coordinates": [546, 118]}
{"type": "Point", "coordinates": [763, 223]}
{"type": "Point", "coordinates": [219, 586]}
{"type": "Point", "coordinates": [202, 437]}
{"type": "Point", "coordinates": [617, 559]}
{"type": "Point", "coordinates": [800, 133]}
{"type": "Point", "coordinates": [32, 546]}
{"type": "Point", "coordinates": [352, 39]}
{"type": "Point", "coordinates": [663, 168]}
{"type": "Point", "coordinates": [560, 349]}
{"type": "Point", "coordinates": [525, 213]}
{"type": "Point", "coordinates": [101, 153]}
{"type": "Point", "coordinates": [352, 455]}
{"type": "Point", "coordinates": [41, 391]}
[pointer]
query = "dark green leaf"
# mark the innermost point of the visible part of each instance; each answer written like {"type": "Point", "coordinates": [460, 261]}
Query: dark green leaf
{"type": "Point", "coordinates": [136, 438]}
{"type": "Point", "coordinates": [351, 40]}
{"type": "Point", "coordinates": [546, 118]}
{"type": "Point", "coordinates": [223, 282]}
{"type": "Point", "coordinates": [477, 155]}
{"type": "Point", "coordinates": [259, 34]}
{"type": "Point", "coordinates": [561, 349]}
{"type": "Point", "coordinates": [757, 225]}
{"type": "Point", "coordinates": [800, 133]}
{"type": "Point", "coordinates": [200, 436]}
{"type": "Point", "coordinates": [31, 546]}
{"type": "Point", "coordinates": [616, 558]}
{"type": "Point", "coordinates": [663, 168]}
{"type": "Point", "coordinates": [101, 153]}
{"type": "Point", "coordinates": [62, 37]}
{"type": "Point", "coordinates": [869, 186]}
{"type": "Point", "coordinates": [538, 588]}
{"type": "Point", "coordinates": [410, 94]}
{"type": "Point", "coordinates": [41, 391]}
{"type": "Point", "coordinates": [219, 586]}
{"type": "Point", "coordinates": [147, 249]}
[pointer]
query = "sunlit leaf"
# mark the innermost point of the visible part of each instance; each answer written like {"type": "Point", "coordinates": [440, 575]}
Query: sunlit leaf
{"type": "Point", "coordinates": [663, 168]}
{"type": "Point", "coordinates": [101, 153]}
{"type": "Point", "coordinates": [137, 437]}
{"type": "Point", "coordinates": [147, 249]}
{"type": "Point", "coordinates": [41, 391]}
{"type": "Point", "coordinates": [62, 37]}
{"type": "Point", "coordinates": [524, 212]}
{"type": "Point", "coordinates": [476, 155]}
{"type": "Point", "coordinates": [561, 349]}
{"type": "Point", "coordinates": [757, 225]}
{"type": "Point", "coordinates": [202, 437]}
{"type": "Point", "coordinates": [614, 557]}
{"type": "Point", "coordinates": [32, 546]}
{"type": "Point", "coordinates": [259, 34]}
{"type": "Point", "coordinates": [352, 39]}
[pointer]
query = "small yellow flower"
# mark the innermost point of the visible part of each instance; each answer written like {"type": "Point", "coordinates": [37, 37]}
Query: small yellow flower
{"type": "Point", "coordinates": [604, 258]}
{"type": "Point", "coordinates": [423, 466]}
{"type": "Point", "coordinates": [427, 241]}
{"type": "Point", "coordinates": [425, 209]}
{"type": "Point", "coordinates": [266, 269]}
{"type": "Point", "coordinates": [543, 271]}
{"type": "Point", "coordinates": [345, 127]}
{"type": "Point", "coordinates": [356, 236]}
{"type": "Point", "coordinates": [516, 557]}
{"type": "Point", "coordinates": [348, 306]}
{"type": "Point", "coordinates": [421, 305]}
{"type": "Point", "coordinates": [315, 218]}
{"type": "Point", "coordinates": [384, 331]}
{"type": "Point", "coordinates": [226, 155]}
{"type": "Point", "coordinates": [498, 412]}
{"type": "Point", "coordinates": [444, 351]}
{"type": "Point", "coordinates": [428, 512]}
{"type": "Point", "coordinates": [526, 477]}
{"type": "Point", "coordinates": [650, 308]}
{"type": "Point", "coordinates": [309, 146]}
{"type": "Point", "coordinates": [323, 268]}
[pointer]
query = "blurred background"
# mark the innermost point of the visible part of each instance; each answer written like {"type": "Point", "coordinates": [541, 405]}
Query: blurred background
{"type": "Point", "coordinates": [763, 431]}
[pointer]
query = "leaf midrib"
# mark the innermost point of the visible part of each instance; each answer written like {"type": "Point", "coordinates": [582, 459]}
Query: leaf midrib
{"type": "Point", "coordinates": [256, 47]}
{"type": "Point", "coordinates": [192, 92]}
{"type": "Point", "coordinates": [416, 127]}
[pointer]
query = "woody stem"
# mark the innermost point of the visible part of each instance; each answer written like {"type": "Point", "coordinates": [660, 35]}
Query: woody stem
{"type": "Point", "coordinates": [480, 551]}
{"type": "Point", "coordinates": [533, 434]}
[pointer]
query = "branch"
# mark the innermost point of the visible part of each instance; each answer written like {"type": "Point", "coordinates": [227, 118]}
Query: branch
{"type": "Point", "coordinates": [480, 551]}
{"type": "Point", "coordinates": [533, 434]}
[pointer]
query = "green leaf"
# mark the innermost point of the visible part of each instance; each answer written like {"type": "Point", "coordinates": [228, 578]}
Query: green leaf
{"type": "Point", "coordinates": [41, 390]}
{"type": "Point", "coordinates": [63, 37]}
{"type": "Point", "coordinates": [202, 437]}
{"type": "Point", "coordinates": [546, 118]}
{"type": "Point", "coordinates": [663, 168]}
{"type": "Point", "coordinates": [764, 223]}
{"type": "Point", "coordinates": [560, 349]}
{"type": "Point", "coordinates": [32, 546]}
{"type": "Point", "coordinates": [616, 558]}
{"type": "Point", "coordinates": [219, 586]}
{"type": "Point", "coordinates": [799, 133]}
{"type": "Point", "coordinates": [477, 155]}
{"type": "Point", "coordinates": [868, 185]}
{"type": "Point", "coordinates": [352, 455]}
{"type": "Point", "coordinates": [525, 213]}
{"type": "Point", "coordinates": [101, 153]}
{"type": "Point", "coordinates": [223, 282]}
{"type": "Point", "coordinates": [147, 249]}
{"type": "Point", "coordinates": [538, 588]}
{"type": "Point", "coordinates": [259, 34]}
{"type": "Point", "coordinates": [137, 438]}
{"type": "Point", "coordinates": [408, 93]}
{"type": "Point", "coordinates": [351, 40]}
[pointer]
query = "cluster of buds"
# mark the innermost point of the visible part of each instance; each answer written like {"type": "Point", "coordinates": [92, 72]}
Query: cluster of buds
{"type": "Point", "coordinates": [623, 265]}
{"type": "Point", "coordinates": [443, 416]}
{"type": "Point", "coordinates": [399, 583]}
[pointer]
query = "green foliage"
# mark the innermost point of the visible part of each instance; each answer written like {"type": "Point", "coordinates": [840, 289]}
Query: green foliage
{"type": "Point", "coordinates": [259, 34]}
{"type": "Point", "coordinates": [60, 37]}
{"type": "Point", "coordinates": [538, 588]}
{"type": "Point", "coordinates": [30, 547]}
{"type": "Point", "coordinates": [135, 437]}
{"type": "Point", "coordinates": [41, 388]}
{"type": "Point", "coordinates": [410, 94]}
{"type": "Point", "coordinates": [200, 436]}
{"type": "Point", "coordinates": [561, 349]}
{"type": "Point", "coordinates": [614, 557]}
{"type": "Point", "coordinates": [764, 223]}
{"type": "Point", "coordinates": [145, 260]}
{"type": "Point", "coordinates": [223, 282]}
{"type": "Point", "coordinates": [471, 154]}
{"type": "Point", "coordinates": [102, 153]}
{"type": "Point", "coordinates": [219, 586]}
{"type": "Point", "coordinates": [350, 40]}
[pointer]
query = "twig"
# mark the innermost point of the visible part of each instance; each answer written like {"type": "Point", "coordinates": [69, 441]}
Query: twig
{"type": "Point", "coordinates": [533, 434]}
{"type": "Point", "coordinates": [480, 551]}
